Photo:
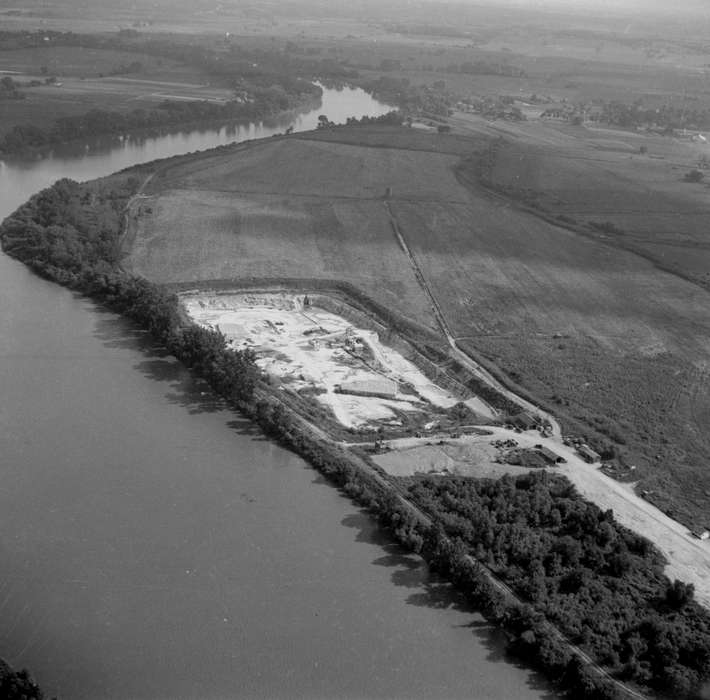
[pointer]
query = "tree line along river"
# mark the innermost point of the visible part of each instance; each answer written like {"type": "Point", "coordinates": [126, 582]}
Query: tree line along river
{"type": "Point", "coordinates": [155, 545]}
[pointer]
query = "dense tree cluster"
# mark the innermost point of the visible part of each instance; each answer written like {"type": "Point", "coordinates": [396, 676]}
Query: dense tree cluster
{"type": "Point", "coordinates": [393, 118]}
{"type": "Point", "coordinates": [411, 99]}
{"type": "Point", "coordinates": [601, 584]}
{"type": "Point", "coordinates": [17, 685]}
{"type": "Point", "coordinates": [10, 89]}
{"type": "Point", "coordinates": [665, 117]}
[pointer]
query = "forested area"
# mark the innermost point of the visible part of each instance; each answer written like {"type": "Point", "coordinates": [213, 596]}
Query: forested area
{"type": "Point", "coordinates": [17, 685]}
{"type": "Point", "coordinates": [602, 585]}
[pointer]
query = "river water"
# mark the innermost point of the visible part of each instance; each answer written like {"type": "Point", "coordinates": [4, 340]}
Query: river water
{"type": "Point", "coordinates": [155, 545]}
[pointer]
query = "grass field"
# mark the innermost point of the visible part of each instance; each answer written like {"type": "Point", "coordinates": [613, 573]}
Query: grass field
{"type": "Point", "coordinates": [602, 177]}
{"type": "Point", "coordinates": [618, 345]}
{"type": "Point", "coordinates": [259, 213]}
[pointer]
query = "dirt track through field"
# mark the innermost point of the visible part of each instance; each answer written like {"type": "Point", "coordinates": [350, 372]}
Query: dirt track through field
{"type": "Point", "coordinates": [461, 356]}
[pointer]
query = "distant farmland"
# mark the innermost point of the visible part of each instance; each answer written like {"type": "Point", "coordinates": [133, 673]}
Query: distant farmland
{"type": "Point", "coordinates": [619, 348]}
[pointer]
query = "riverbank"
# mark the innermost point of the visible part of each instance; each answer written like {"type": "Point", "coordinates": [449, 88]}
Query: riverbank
{"type": "Point", "coordinates": [234, 375]}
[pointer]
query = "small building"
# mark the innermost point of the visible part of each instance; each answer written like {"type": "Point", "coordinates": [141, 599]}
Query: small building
{"type": "Point", "coordinates": [377, 388]}
{"type": "Point", "coordinates": [701, 534]}
{"type": "Point", "coordinates": [524, 421]}
{"type": "Point", "coordinates": [587, 453]}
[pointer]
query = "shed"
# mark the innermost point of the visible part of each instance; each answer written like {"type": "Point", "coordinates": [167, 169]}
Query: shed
{"type": "Point", "coordinates": [525, 421]}
{"type": "Point", "coordinates": [550, 456]}
{"type": "Point", "coordinates": [378, 388]}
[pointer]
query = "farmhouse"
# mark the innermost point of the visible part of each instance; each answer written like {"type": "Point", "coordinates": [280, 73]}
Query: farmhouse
{"type": "Point", "coordinates": [587, 453]}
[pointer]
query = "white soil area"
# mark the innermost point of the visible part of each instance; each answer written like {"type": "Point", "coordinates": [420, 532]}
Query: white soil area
{"type": "Point", "coordinates": [688, 557]}
{"type": "Point", "coordinates": [467, 456]}
{"type": "Point", "coordinates": [308, 347]}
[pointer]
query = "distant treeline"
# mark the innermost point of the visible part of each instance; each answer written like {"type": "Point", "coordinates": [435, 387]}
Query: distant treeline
{"type": "Point", "coordinates": [411, 99]}
{"type": "Point", "coordinates": [666, 117]}
{"type": "Point", "coordinates": [393, 118]}
{"type": "Point", "coordinates": [428, 30]}
{"type": "Point", "coordinates": [572, 562]}
{"type": "Point", "coordinates": [481, 67]}
{"type": "Point", "coordinates": [225, 59]}
{"type": "Point", "coordinates": [262, 103]}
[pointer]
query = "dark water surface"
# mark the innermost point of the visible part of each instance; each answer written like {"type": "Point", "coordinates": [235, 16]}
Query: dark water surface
{"type": "Point", "coordinates": [155, 545]}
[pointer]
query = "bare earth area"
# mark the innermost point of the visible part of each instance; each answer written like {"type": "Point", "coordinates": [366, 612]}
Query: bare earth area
{"type": "Point", "coordinates": [310, 349]}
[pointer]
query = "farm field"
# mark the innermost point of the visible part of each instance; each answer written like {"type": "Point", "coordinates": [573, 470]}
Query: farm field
{"type": "Point", "coordinates": [255, 213]}
{"type": "Point", "coordinates": [618, 347]}
{"type": "Point", "coordinates": [85, 83]}
{"type": "Point", "coordinates": [605, 335]}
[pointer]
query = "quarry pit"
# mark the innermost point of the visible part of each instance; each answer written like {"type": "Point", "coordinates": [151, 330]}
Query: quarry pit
{"type": "Point", "coordinates": [312, 351]}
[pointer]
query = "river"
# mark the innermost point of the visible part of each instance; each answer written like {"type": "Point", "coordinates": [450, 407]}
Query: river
{"type": "Point", "coordinates": [155, 545]}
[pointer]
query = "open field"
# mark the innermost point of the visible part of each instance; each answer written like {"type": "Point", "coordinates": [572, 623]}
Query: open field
{"type": "Point", "coordinates": [255, 213]}
{"type": "Point", "coordinates": [654, 211]}
{"type": "Point", "coordinates": [312, 351]}
{"type": "Point", "coordinates": [618, 345]}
